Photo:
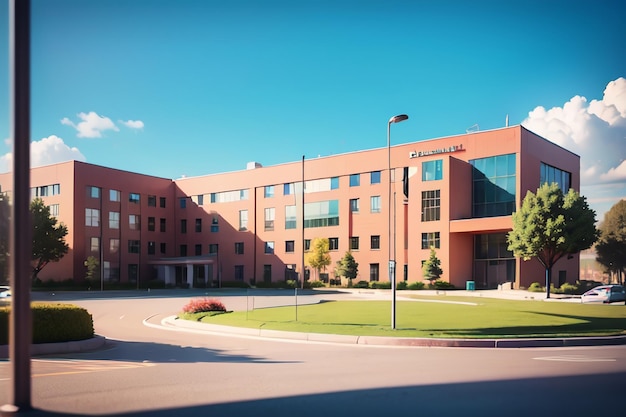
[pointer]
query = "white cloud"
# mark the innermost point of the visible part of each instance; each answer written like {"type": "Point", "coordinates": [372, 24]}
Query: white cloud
{"type": "Point", "coordinates": [133, 124]}
{"type": "Point", "coordinates": [46, 151]}
{"type": "Point", "coordinates": [92, 125]}
{"type": "Point", "coordinates": [594, 130]}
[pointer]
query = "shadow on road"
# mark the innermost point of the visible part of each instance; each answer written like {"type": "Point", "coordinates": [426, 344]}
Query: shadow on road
{"type": "Point", "coordinates": [513, 398]}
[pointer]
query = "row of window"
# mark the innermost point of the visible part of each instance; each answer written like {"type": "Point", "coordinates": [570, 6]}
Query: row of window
{"type": "Point", "coordinates": [92, 218]}
{"type": "Point", "coordinates": [116, 196]}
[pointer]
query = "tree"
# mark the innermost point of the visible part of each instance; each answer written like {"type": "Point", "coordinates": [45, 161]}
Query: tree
{"type": "Point", "coordinates": [432, 267]}
{"type": "Point", "coordinates": [319, 258]}
{"type": "Point", "coordinates": [48, 237]}
{"type": "Point", "coordinates": [347, 267]}
{"type": "Point", "coordinates": [611, 248]}
{"type": "Point", "coordinates": [93, 272]}
{"type": "Point", "coordinates": [550, 225]}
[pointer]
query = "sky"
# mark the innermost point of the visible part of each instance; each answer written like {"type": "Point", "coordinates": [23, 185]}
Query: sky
{"type": "Point", "coordinates": [176, 88]}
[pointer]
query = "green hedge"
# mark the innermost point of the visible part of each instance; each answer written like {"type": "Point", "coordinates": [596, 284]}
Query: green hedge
{"type": "Point", "coordinates": [52, 323]}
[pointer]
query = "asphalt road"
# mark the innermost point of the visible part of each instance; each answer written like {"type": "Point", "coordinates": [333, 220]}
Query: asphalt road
{"type": "Point", "coordinates": [147, 371]}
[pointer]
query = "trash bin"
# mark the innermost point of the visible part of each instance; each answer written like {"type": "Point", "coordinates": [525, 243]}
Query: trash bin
{"type": "Point", "coordinates": [469, 286]}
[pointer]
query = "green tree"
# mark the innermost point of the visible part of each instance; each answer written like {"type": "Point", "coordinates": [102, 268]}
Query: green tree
{"type": "Point", "coordinates": [93, 272]}
{"type": "Point", "coordinates": [550, 225]}
{"type": "Point", "coordinates": [431, 270]}
{"type": "Point", "coordinates": [48, 237]}
{"type": "Point", "coordinates": [347, 267]}
{"type": "Point", "coordinates": [318, 257]}
{"type": "Point", "coordinates": [611, 248]}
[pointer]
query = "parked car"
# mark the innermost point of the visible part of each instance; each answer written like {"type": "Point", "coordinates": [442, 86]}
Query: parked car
{"type": "Point", "coordinates": [5, 292]}
{"type": "Point", "coordinates": [604, 294]}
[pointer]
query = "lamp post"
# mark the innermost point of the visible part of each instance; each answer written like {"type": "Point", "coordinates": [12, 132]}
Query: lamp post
{"type": "Point", "coordinates": [391, 238]}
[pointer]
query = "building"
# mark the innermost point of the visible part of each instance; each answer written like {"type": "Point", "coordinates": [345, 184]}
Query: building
{"type": "Point", "coordinates": [455, 194]}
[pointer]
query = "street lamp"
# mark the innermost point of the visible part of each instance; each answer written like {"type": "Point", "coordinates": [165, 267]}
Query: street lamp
{"type": "Point", "coordinates": [392, 262]}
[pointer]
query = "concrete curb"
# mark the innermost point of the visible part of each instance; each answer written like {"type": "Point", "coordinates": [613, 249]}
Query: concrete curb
{"type": "Point", "coordinates": [39, 349]}
{"type": "Point", "coordinates": [173, 321]}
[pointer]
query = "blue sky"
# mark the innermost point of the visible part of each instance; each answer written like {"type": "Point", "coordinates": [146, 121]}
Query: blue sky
{"type": "Point", "coordinates": [171, 88]}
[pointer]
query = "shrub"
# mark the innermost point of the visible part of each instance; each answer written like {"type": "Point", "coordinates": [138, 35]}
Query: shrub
{"type": "Point", "coordinates": [441, 285]}
{"type": "Point", "coordinates": [402, 285]}
{"type": "Point", "coordinates": [536, 287]}
{"type": "Point", "coordinates": [314, 284]}
{"type": "Point", "coordinates": [203, 305]}
{"type": "Point", "coordinates": [568, 288]}
{"type": "Point", "coordinates": [52, 323]}
{"type": "Point", "coordinates": [361, 284]}
{"type": "Point", "coordinates": [418, 285]}
{"type": "Point", "coordinates": [377, 285]}
{"type": "Point", "coordinates": [234, 284]}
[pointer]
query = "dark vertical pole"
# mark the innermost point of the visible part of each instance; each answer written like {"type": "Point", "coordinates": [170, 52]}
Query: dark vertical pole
{"type": "Point", "coordinates": [303, 247]}
{"type": "Point", "coordinates": [20, 332]}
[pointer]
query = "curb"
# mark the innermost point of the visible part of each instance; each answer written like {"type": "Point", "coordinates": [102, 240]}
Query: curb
{"type": "Point", "coordinates": [38, 349]}
{"type": "Point", "coordinates": [173, 321]}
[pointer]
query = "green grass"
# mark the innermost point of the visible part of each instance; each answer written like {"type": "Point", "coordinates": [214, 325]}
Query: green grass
{"type": "Point", "coordinates": [485, 318]}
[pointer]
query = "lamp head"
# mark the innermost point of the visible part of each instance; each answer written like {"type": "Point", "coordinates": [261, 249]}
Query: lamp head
{"type": "Point", "coordinates": [399, 118]}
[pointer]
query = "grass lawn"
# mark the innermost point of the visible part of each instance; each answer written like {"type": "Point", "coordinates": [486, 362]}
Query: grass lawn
{"type": "Point", "coordinates": [470, 318]}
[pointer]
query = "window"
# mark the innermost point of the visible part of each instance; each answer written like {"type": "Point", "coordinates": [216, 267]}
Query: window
{"type": "Point", "coordinates": [432, 170]}
{"type": "Point", "coordinates": [114, 220]}
{"type": "Point", "coordinates": [270, 214]}
{"type": "Point", "coordinates": [238, 272]}
{"type": "Point", "coordinates": [198, 225]}
{"type": "Point", "coordinates": [375, 177]}
{"type": "Point", "coordinates": [115, 195]}
{"type": "Point", "coordinates": [183, 225]}
{"type": "Point", "coordinates": [321, 214]}
{"type": "Point", "coordinates": [333, 243]}
{"type": "Point", "coordinates": [334, 183]}
{"type": "Point", "coordinates": [92, 217]}
{"type": "Point", "coordinates": [269, 248]}
{"type": "Point", "coordinates": [54, 210]}
{"type": "Point", "coordinates": [215, 226]}
{"type": "Point", "coordinates": [151, 224]}
{"type": "Point", "coordinates": [431, 205]}
{"type": "Point", "coordinates": [430, 240]}
{"type": "Point", "coordinates": [374, 272]}
{"type": "Point", "coordinates": [133, 246]}
{"type": "Point", "coordinates": [550, 174]}
{"type": "Point", "coordinates": [133, 198]}
{"type": "Point", "coordinates": [151, 248]}
{"type": "Point", "coordinates": [354, 243]}
{"type": "Point", "coordinates": [354, 205]}
{"type": "Point", "coordinates": [93, 192]}
{"type": "Point", "coordinates": [269, 191]}
{"type": "Point", "coordinates": [493, 185]}
{"type": "Point", "coordinates": [375, 204]}
{"type": "Point", "coordinates": [291, 221]}
{"type": "Point", "coordinates": [288, 189]}
{"type": "Point", "coordinates": [133, 272]}
{"type": "Point", "coordinates": [239, 248]}
{"type": "Point", "coordinates": [228, 196]}
{"type": "Point", "coordinates": [198, 199]}
{"type": "Point", "coordinates": [183, 202]}
{"type": "Point", "coordinates": [45, 190]}
{"type": "Point", "coordinates": [163, 247]}
{"type": "Point", "coordinates": [213, 248]}
{"type": "Point", "coordinates": [162, 202]}
{"type": "Point", "coordinates": [133, 222]}
{"type": "Point", "coordinates": [243, 220]}
{"type": "Point", "coordinates": [114, 245]}
{"type": "Point", "coordinates": [307, 245]}
{"type": "Point", "coordinates": [355, 180]}
{"type": "Point", "coordinates": [375, 242]}
{"type": "Point", "coordinates": [162, 225]}
{"type": "Point", "coordinates": [152, 201]}
{"type": "Point", "coordinates": [198, 250]}
{"type": "Point", "coordinates": [94, 244]}
{"type": "Point", "coordinates": [290, 246]}
{"type": "Point", "coordinates": [267, 273]}
{"type": "Point", "coordinates": [183, 250]}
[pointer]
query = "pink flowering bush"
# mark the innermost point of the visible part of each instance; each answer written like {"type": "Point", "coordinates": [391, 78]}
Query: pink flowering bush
{"type": "Point", "coordinates": [203, 305]}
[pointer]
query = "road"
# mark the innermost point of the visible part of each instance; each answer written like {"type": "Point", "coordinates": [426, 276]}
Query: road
{"type": "Point", "coordinates": [148, 371]}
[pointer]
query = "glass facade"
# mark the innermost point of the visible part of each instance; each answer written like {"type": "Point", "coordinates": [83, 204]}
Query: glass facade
{"type": "Point", "coordinates": [432, 170]}
{"type": "Point", "coordinates": [551, 174]}
{"type": "Point", "coordinates": [321, 214]}
{"type": "Point", "coordinates": [494, 264]}
{"type": "Point", "coordinates": [494, 182]}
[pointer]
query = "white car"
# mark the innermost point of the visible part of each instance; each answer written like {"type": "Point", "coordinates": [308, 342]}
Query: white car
{"type": "Point", "coordinates": [604, 294]}
{"type": "Point", "coordinates": [5, 292]}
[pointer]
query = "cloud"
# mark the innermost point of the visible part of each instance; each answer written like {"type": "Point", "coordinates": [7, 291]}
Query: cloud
{"type": "Point", "coordinates": [92, 125]}
{"type": "Point", "coordinates": [133, 124]}
{"type": "Point", "coordinates": [596, 131]}
{"type": "Point", "coordinates": [46, 151]}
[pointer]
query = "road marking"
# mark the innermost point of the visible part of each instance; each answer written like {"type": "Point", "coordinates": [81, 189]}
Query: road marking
{"type": "Point", "coordinates": [574, 358]}
{"type": "Point", "coordinates": [72, 366]}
